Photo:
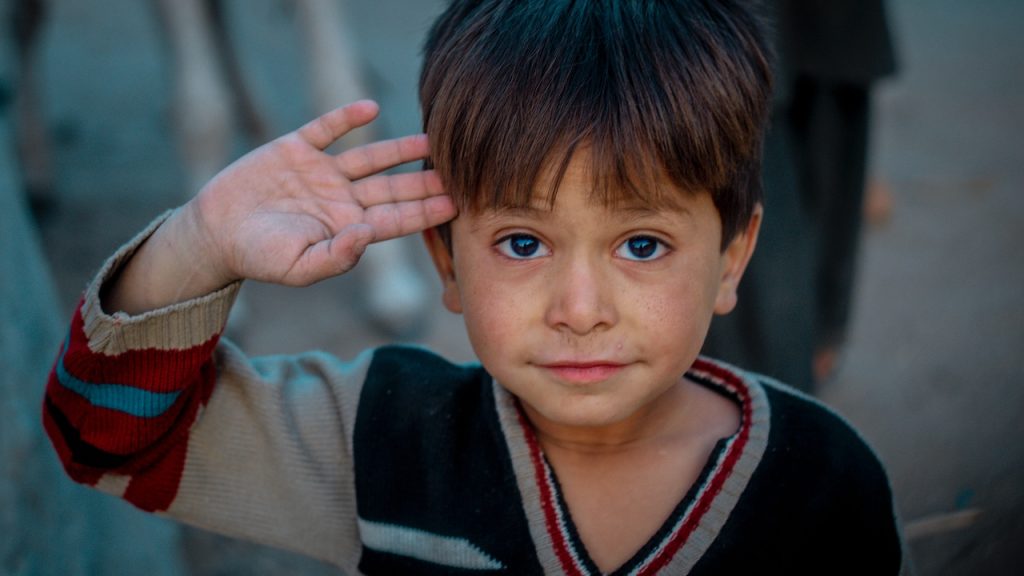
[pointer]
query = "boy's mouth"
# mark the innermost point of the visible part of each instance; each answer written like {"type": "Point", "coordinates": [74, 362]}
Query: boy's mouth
{"type": "Point", "coordinates": [586, 372]}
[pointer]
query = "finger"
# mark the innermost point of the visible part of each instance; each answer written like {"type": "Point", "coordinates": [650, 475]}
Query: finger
{"type": "Point", "coordinates": [397, 188]}
{"type": "Point", "coordinates": [332, 256]}
{"type": "Point", "coordinates": [379, 156]}
{"type": "Point", "coordinates": [323, 131]}
{"type": "Point", "coordinates": [404, 218]}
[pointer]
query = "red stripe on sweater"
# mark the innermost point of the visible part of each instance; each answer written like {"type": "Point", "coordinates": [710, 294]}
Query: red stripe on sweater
{"type": "Point", "coordinates": [156, 447]}
{"type": "Point", "coordinates": [154, 486]}
{"type": "Point", "coordinates": [715, 483]}
{"type": "Point", "coordinates": [148, 369]}
{"type": "Point", "coordinates": [547, 501]}
{"type": "Point", "coordinates": [155, 470]}
{"type": "Point", "coordinates": [115, 431]}
{"type": "Point", "coordinates": [152, 370]}
{"type": "Point", "coordinates": [155, 489]}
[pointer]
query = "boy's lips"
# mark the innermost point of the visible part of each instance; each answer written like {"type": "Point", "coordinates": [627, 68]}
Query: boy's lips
{"type": "Point", "coordinates": [583, 372]}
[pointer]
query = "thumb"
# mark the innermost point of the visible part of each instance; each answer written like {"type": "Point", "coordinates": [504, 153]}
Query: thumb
{"type": "Point", "coordinates": [331, 257]}
{"type": "Point", "coordinates": [348, 245]}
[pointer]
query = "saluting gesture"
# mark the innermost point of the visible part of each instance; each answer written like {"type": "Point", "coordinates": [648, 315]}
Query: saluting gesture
{"type": "Point", "coordinates": [288, 213]}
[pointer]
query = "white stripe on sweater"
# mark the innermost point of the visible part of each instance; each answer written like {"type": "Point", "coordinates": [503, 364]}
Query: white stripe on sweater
{"type": "Point", "coordinates": [426, 546]}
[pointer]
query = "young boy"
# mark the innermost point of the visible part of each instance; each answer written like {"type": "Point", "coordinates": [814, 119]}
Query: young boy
{"type": "Point", "coordinates": [593, 202]}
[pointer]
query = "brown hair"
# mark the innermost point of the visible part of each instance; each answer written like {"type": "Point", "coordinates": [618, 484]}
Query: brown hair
{"type": "Point", "coordinates": [511, 88]}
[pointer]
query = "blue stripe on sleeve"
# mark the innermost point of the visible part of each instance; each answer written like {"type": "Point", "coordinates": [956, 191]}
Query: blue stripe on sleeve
{"type": "Point", "coordinates": [127, 399]}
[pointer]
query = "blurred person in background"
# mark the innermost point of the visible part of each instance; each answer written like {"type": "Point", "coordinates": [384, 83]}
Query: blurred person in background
{"type": "Point", "coordinates": [829, 57]}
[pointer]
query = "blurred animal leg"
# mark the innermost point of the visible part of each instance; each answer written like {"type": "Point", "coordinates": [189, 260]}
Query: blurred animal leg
{"type": "Point", "coordinates": [202, 105]}
{"type": "Point", "coordinates": [249, 114]}
{"type": "Point", "coordinates": [34, 146]}
{"type": "Point", "coordinates": [334, 74]}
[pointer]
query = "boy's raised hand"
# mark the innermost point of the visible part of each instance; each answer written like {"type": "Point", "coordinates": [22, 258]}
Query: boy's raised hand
{"type": "Point", "coordinates": [287, 213]}
{"type": "Point", "coordinates": [292, 214]}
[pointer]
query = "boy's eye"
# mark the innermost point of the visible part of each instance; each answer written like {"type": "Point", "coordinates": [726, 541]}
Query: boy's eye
{"type": "Point", "coordinates": [641, 248]}
{"type": "Point", "coordinates": [522, 246]}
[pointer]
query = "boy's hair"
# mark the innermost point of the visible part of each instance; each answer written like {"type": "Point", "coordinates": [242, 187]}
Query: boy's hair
{"type": "Point", "coordinates": [649, 88]}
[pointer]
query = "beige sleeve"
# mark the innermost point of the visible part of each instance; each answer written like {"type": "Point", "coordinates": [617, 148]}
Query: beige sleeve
{"type": "Point", "coordinates": [269, 456]}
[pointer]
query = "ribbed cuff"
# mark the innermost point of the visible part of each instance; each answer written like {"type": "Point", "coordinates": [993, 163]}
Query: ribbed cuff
{"type": "Point", "coordinates": [182, 325]}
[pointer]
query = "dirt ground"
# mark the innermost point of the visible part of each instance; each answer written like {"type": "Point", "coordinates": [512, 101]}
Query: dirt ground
{"type": "Point", "coordinates": [932, 373]}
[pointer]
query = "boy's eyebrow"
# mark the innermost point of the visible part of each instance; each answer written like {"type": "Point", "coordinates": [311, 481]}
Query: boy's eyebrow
{"type": "Point", "coordinates": [649, 215]}
{"type": "Point", "coordinates": [646, 210]}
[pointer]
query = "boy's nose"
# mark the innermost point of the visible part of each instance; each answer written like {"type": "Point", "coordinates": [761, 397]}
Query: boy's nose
{"type": "Point", "coordinates": [581, 298]}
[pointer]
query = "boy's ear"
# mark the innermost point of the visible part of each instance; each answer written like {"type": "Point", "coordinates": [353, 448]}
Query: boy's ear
{"type": "Point", "coordinates": [442, 257]}
{"type": "Point", "coordinates": [734, 261]}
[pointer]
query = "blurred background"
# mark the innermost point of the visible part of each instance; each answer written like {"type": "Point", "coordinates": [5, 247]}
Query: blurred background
{"type": "Point", "coordinates": [931, 372]}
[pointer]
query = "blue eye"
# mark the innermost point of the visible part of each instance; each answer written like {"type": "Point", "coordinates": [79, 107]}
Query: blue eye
{"type": "Point", "coordinates": [522, 246]}
{"type": "Point", "coordinates": [641, 248]}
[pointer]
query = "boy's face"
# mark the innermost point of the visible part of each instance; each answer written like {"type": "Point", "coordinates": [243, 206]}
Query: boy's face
{"type": "Point", "coordinates": [588, 314]}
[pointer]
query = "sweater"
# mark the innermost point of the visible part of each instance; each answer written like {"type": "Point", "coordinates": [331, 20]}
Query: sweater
{"type": "Point", "coordinates": [400, 462]}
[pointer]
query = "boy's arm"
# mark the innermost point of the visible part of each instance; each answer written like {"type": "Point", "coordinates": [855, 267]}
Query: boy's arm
{"type": "Point", "coordinates": [131, 405]}
{"type": "Point", "coordinates": [152, 409]}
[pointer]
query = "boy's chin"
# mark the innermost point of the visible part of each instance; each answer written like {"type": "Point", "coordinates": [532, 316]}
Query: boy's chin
{"type": "Point", "coordinates": [583, 416]}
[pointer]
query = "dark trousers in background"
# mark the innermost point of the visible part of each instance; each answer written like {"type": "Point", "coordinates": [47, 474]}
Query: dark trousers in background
{"type": "Point", "coordinates": [797, 292]}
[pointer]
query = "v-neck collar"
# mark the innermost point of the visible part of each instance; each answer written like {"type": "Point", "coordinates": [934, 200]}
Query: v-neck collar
{"type": "Point", "coordinates": [688, 532]}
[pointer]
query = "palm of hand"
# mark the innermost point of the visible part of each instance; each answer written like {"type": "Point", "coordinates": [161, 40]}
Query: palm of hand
{"type": "Point", "coordinates": [292, 214]}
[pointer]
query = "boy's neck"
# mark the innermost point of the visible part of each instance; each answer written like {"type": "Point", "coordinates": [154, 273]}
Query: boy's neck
{"type": "Point", "coordinates": [621, 483]}
{"type": "Point", "coordinates": [682, 413]}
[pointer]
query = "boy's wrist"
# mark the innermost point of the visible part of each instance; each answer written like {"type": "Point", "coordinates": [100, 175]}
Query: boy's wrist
{"type": "Point", "coordinates": [196, 249]}
{"type": "Point", "coordinates": [174, 264]}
